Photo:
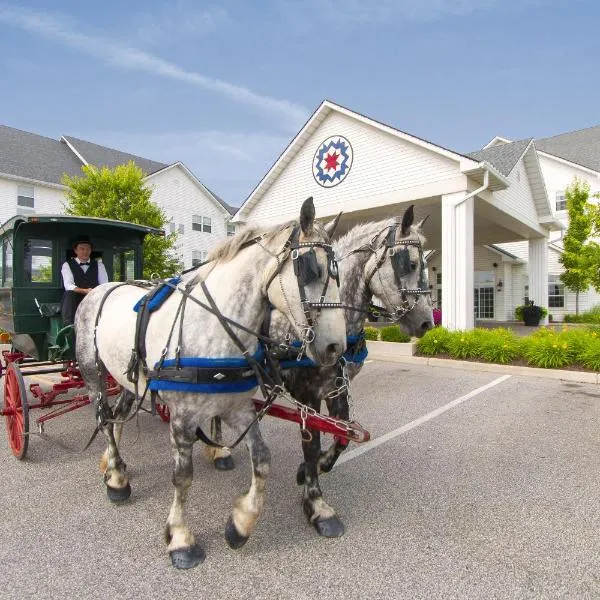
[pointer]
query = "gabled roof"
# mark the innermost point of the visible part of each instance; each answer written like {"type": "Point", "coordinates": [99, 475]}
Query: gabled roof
{"type": "Point", "coordinates": [580, 147]}
{"type": "Point", "coordinates": [216, 199]}
{"type": "Point", "coordinates": [101, 156]}
{"type": "Point", "coordinates": [502, 156]}
{"type": "Point", "coordinates": [32, 156]}
{"type": "Point", "coordinates": [321, 113]}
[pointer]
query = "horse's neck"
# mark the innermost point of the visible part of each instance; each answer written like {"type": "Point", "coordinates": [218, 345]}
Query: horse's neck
{"type": "Point", "coordinates": [354, 291]}
{"type": "Point", "coordinates": [235, 289]}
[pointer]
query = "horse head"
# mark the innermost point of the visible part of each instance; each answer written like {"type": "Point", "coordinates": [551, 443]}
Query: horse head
{"type": "Point", "coordinates": [305, 288]}
{"type": "Point", "coordinates": [397, 274]}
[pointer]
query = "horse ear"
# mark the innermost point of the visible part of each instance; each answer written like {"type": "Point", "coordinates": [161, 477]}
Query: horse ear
{"type": "Point", "coordinates": [332, 226]}
{"type": "Point", "coordinates": [307, 216]}
{"type": "Point", "coordinates": [422, 222]}
{"type": "Point", "coordinates": [407, 220]}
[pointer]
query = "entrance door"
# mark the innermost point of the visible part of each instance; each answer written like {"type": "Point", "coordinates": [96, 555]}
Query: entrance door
{"type": "Point", "coordinates": [484, 294]}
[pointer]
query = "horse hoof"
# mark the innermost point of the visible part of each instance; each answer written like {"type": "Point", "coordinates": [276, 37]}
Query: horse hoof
{"type": "Point", "coordinates": [331, 527]}
{"type": "Point", "coordinates": [224, 463]}
{"type": "Point", "coordinates": [117, 495]}
{"type": "Point", "coordinates": [187, 558]}
{"type": "Point", "coordinates": [232, 536]}
{"type": "Point", "coordinates": [301, 474]}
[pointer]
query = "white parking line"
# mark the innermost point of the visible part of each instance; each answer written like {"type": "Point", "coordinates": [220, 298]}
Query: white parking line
{"type": "Point", "coordinates": [413, 424]}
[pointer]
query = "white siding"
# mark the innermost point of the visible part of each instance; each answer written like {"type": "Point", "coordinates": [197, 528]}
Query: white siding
{"type": "Point", "coordinates": [558, 176]}
{"type": "Point", "coordinates": [181, 198]}
{"type": "Point", "coordinates": [382, 164]}
{"type": "Point", "coordinates": [517, 199]}
{"type": "Point", "coordinates": [46, 199]}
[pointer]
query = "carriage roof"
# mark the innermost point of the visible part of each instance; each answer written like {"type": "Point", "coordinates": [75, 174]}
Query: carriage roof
{"type": "Point", "coordinates": [79, 224]}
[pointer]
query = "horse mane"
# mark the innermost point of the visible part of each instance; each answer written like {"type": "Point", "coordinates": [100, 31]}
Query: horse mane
{"type": "Point", "coordinates": [228, 249]}
{"type": "Point", "coordinates": [365, 232]}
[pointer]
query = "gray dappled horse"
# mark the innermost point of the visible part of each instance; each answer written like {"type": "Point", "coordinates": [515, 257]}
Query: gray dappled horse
{"type": "Point", "coordinates": [245, 275]}
{"type": "Point", "coordinates": [383, 259]}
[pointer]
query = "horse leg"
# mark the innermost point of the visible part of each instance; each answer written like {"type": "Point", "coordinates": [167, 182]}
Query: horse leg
{"type": "Point", "coordinates": [320, 514]}
{"type": "Point", "coordinates": [117, 483]}
{"type": "Point", "coordinates": [185, 553]}
{"type": "Point", "coordinates": [248, 507]}
{"type": "Point", "coordinates": [337, 407]}
{"type": "Point", "coordinates": [221, 457]}
{"type": "Point", "coordinates": [122, 408]}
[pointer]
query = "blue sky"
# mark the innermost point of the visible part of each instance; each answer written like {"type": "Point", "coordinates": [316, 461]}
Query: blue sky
{"type": "Point", "coordinates": [224, 86]}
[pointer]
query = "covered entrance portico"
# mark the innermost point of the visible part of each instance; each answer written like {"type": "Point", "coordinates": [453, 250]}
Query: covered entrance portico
{"type": "Point", "coordinates": [371, 172]}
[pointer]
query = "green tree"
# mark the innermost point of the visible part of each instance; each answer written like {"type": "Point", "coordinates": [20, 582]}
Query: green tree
{"type": "Point", "coordinates": [120, 194]}
{"type": "Point", "coordinates": [578, 255]}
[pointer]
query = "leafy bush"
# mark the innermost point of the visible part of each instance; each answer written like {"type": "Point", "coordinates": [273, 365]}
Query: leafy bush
{"type": "Point", "coordinates": [589, 316]}
{"type": "Point", "coordinates": [393, 334]}
{"type": "Point", "coordinates": [500, 346]}
{"type": "Point", "coordinates": [547, 351]}
{"type": "Point", "coordinates": [371, 333]}
{"type": "Point", "coordinates": [530, 309]}
{"type": "Point", "coordinates": [590, 355]}
{"type": "Point", "coordinates": [435, 341]}
{"type": "Point", "coordinates": [466, 344]}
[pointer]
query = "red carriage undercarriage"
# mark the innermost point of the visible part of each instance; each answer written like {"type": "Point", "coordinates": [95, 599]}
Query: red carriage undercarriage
{"type": "Point", "coordinates": [17, 405]}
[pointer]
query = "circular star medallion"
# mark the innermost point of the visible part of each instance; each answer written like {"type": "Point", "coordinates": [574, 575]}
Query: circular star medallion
{"type": "Point", "coordinates": [332, 161]}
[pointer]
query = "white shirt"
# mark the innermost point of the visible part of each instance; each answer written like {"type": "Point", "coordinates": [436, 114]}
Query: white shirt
{"type": "Point", "coordinates": [67, 275]}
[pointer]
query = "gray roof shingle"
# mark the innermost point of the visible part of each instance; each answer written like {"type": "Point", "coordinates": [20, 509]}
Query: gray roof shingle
{"type": "Point", "coordinates": [33, 156]}
{"type": "Point", "coordinates": [502, 157]}
{"type": "Point", "coordinates": [580, 147]}
{"type": "Point", "coordinates": [101, 156]}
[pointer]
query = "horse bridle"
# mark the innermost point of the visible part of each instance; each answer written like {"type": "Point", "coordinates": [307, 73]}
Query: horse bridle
{"type": "Point", "coordinates": [398, 251]}
{"type": "Point", "coordinates": [307, 270]}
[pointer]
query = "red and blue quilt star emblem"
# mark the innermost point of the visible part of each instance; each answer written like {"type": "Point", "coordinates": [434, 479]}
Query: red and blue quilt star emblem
{"type": "Point", "coordinates": [332, 161]}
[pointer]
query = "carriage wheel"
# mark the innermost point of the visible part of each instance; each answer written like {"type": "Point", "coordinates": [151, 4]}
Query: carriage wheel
{"type": "Point", "coordinates": [16, 411]}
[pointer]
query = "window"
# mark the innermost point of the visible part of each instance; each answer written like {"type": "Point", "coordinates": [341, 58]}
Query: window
{"type": "Point", "coordinates": [200, 223]}
{"type": "Point", "coordinates": [438, 285]}
{"type": "Point", "coordinates": [181, 228]}
{"type": "Point", "coordinates": [561, 202]}
{"type": "Point", "coordinates": [172, 227]}
{"type": "Point", "coordinates": [199, 257]}
{"type": "Point", "coordinates": [37, 259]}
{"type": "Point", "coordinates": [25, 196]}
{"type": "Point", "coordinates": [7, 261]}
{"type": "Point", "coordinates": [556, 292]}
{"type": "Point", "coordinates": [123, 264]}
{"type": "Point", "coordinates": [230, 229]}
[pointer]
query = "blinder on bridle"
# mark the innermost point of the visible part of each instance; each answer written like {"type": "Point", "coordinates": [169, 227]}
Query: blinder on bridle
{"type": "Point", "coordinates": [402, 265]}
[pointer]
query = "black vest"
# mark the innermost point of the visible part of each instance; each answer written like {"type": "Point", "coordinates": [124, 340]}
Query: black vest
{"type": "Point", "coordinates": [81, 279]}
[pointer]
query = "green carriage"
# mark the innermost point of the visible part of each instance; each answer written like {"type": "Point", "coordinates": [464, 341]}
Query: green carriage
{"type": "Point", "coordinates": [34, 247]}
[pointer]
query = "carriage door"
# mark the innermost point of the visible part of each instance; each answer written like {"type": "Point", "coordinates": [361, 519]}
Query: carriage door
{"type": "Point", "coordinates": [484, 294]}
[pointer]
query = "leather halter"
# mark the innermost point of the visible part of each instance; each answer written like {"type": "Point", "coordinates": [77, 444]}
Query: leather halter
{"type": "Point", "coordinates": [400, 259]}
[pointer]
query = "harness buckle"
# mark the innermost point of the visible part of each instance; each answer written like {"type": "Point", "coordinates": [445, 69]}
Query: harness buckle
{"type": "Point", "coordinates": [295, 254]}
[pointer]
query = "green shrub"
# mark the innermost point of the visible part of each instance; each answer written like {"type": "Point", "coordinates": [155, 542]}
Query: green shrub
{"type": "Point", "coordinates": [393, 334]}
{"type": "Point", "coordinates": [435, 341]}
{"type": "Point", "coordinates": [371, 333]}
{"type": "Point", "coordinates": [500, 346]}
{"type": "Point", "coordinates": [589, 357]}
{"type": "Point", "coordinates": [589, 316]}
{"type": "Point", "coordinates": [547, 351]}
{"type": "Point", "coordinates": [466, 344]}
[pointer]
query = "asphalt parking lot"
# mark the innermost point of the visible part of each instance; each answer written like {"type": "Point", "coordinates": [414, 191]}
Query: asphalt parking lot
{"type": "Point", "coordinates": [475, 485]}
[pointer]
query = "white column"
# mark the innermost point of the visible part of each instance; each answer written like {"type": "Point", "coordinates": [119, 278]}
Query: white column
{"type": "Point", "coordinates": [538, 271]}
{"type": "Point", "coordinates": [457, 261]}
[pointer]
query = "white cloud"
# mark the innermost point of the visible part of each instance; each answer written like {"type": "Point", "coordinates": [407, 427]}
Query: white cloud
{"type": "Point", "coordinates": [112, 52]}
{"type": "Point", "coordinates": [179, 19]}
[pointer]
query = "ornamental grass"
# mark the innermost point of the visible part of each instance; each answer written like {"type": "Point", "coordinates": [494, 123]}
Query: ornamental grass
{"type": "Point", "coordinates": [393, 333]}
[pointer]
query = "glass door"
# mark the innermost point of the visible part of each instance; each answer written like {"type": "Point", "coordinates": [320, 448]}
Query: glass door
{"type": "Point", "coordinates": [484, 294]}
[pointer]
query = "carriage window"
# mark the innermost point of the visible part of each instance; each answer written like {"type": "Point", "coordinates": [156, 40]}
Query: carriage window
{"type": "Point", "coordinates": [7, 263]}
{"type": "Point", "coordinates": [37, 259]}
{"type": "Point", "coordinates": [123, 265]}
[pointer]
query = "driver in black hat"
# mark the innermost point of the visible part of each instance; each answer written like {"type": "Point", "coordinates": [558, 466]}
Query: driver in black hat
{"type": "Point", "coordinates": [80, 275]}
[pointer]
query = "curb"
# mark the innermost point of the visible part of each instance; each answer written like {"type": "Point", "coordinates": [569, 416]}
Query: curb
{"type": "Point", "coordinates": [448, 363]}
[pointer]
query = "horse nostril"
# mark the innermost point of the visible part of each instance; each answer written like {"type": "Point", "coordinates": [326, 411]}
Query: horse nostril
{"type": "Point", "coordinates": [334, 349]}
{"type": "Point", "coordinates": [427, 325]}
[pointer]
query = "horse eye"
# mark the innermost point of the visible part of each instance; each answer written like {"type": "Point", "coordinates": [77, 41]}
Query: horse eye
{"type": "Point", "coordinates": [413, 266]}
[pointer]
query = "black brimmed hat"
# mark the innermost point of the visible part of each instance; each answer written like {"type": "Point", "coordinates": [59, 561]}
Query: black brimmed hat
{"type": "Point", "coordinates": [81, 239]}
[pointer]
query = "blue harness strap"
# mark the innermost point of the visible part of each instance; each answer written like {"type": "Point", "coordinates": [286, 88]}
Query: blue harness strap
{"type": "Point", "coordinates": [237, 368]}
{"type": "Point", "coordinates": [156, 297]}
{"type": "Point", "coordinates": [356, 352]}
